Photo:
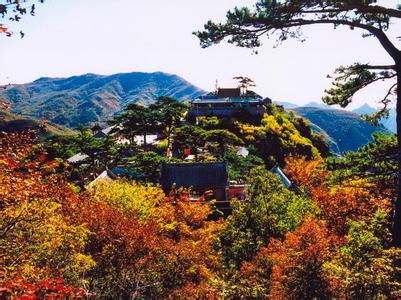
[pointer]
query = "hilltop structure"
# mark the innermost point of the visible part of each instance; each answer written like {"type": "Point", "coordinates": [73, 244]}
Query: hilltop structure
{"type": "Point", "coordinates": [225, 102]}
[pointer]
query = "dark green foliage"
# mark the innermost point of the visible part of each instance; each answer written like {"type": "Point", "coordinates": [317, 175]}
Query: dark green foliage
{"type": "Point", "coordinates": [102, 153]}
{"type": "Point", "coordinates": [271, 210]}
{"type": "Point", "coordinates": [354, 78]}
{"type": "Point", "coordinates": [221, 140]}
{"type": "Point", "coordinates": [189, 137]}
{"type": "Point", "coordinates": [147, 166]}
{"type": "Point", "coordinates": [239, 167]}
{"type": "Point", "coordinates": [246, 27]}
{"type": "Point", "coordinates": [168, 113]}
{"type": "Point", "coordinates": [89, 98]}
{"type": "Point", "coordinates": [376, 161]}
{"type": "Point", "coordinates": [135, 120]}
{"type": "Point", "coordinates": [61, 146]}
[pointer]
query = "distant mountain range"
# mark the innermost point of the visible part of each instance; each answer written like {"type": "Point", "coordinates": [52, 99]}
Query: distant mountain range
{"type": "Point", "coordinates": [290, 105]}
{"type": "Point", "coordinates": [347, 131]}
{"type": "Point", "coordinates": [90, 98]}
{"type": "Point", "coordinates": [365, 109]}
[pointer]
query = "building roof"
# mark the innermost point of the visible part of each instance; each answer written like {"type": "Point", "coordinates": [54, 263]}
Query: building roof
{"type": "Point", "coordinates": [100, 134]}
{"type": "Point", "coordinates": [106, 175]}
{"type": "Point", "coordinates": [77, 157]}
{"type": "Point", "coordinates": [228, 92]}
{"type": "Point", "coordinates": [196, 175]}
{"type": "Point", "coordinates": [96, 127]}
{"type": "Point", "coordinates": [280, 174]}
{"type": "Point", "coordinates": [104, 132]}
{"type": "Point", "coordinates": [211, 100]}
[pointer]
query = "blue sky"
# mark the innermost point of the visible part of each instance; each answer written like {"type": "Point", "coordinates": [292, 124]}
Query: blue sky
{"type": "Point", "coordinates": [72, 37]}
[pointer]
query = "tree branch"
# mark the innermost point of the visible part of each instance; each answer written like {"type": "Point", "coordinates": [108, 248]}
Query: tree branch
{"type": "Point", "coordinates": [375, 9]}
{"type": "Point", "coordinates": [370, 67]}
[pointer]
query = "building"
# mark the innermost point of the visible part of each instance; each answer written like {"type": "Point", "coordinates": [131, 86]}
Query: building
{"type": "Point", "coordinates": [209, 179]}
{"type": "Point", "coordinates": [228, 101]}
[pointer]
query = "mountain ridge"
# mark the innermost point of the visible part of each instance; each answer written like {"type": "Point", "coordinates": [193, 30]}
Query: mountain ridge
{"type": "Point", "coordinates": [87, 98]}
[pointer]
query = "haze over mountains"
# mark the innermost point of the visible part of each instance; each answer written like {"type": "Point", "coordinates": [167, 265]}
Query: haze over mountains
{"type": "Point", "coordinates": [89, 98]}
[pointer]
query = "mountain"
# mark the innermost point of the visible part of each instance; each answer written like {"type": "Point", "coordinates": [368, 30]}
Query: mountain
{"type": "Point", "coordinates": [317, 105]}
{"type": "Point", "coordinates": [365, 109]}
{"type": "Point", "coordinates": [285, 104]}
{"type": "Point", "coordinates": [390, 123]}
{"type": "Point", "coordinates": [89, 98]}
{"type": "Point", "coordinates": [345, 128]}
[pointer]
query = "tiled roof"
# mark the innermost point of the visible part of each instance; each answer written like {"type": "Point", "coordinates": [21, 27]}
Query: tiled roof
{"type": "Point", "coordinates": [196, 175]}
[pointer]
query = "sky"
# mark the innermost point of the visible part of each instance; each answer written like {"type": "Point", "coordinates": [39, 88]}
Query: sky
{"type": "Point", "coordinates": [73, 37]}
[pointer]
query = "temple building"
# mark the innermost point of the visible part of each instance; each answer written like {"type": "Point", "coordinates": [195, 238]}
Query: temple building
{"type": "Point", "coordinates": [228, 101]}
{"type": "Point", "coordinates": [209, 178]}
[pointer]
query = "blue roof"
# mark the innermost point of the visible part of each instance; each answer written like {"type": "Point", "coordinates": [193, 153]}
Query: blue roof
{"type": "Point", "coordinates": [280, 174]}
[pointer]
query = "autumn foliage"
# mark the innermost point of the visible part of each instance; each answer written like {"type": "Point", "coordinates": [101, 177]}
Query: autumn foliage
{"type": "Point", "coordinates": [298, 262]}
{"type": "Point", "coordinates": [137, 243]}
{"type": "Point", "coordinates": [339, 202]}
{"type": "Point", "coordinates": [38, 238]}
{"type": "Point", "coordinates": [325, 237]}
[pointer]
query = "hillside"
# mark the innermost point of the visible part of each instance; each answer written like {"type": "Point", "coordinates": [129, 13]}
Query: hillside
{"type": "Point", "coordinates": [89, 98]}
{"type": "Point", "coordinates": [345, 128]}
{"type": "Point", "coordinates": [12, 123]}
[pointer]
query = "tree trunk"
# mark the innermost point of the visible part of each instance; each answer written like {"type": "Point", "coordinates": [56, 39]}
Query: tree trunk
{"type": "Point", "coordinates": [222, 150]}
{"type": "Point", "coordinates": [144, 141]}
{"type": "Point", "coordinates": [397, 204]}
{"type": "Point", "coordinates": [168, 150]}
